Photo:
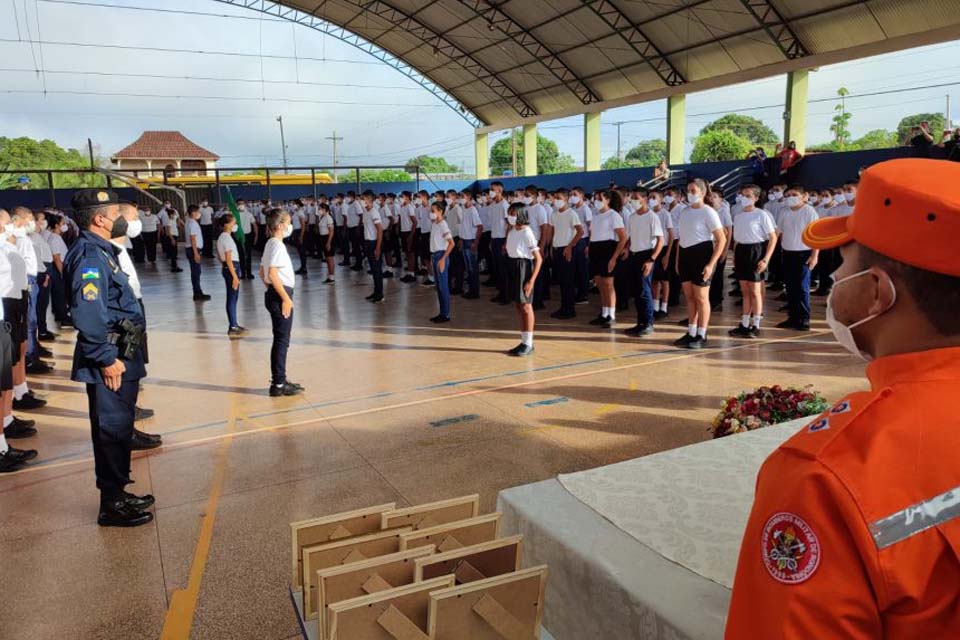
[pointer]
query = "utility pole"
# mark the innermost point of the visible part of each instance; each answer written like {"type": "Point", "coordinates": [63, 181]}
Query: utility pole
{"type": "Point", "coordinates": [283, 143]}
{"type": "Point", "coordinates": [335, 140]}
{"type": "Point", "coordinates": [90, 149]}
{"type": "Point", "coordinates": [513, 144]}
{"type": "Point", "coordinates": [619, 157]}
{"type": "Point", "coordinates": [949, 121]}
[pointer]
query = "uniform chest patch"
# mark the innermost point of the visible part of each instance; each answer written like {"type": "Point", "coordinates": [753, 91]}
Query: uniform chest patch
{"type": "Point", "coordinates": [819, 425]}
{"type": "Point", "coordinates": [790, 548]}
{"type": "Point", "coordinates": [90, 274]}
{"type": "Point", "coordinates": [843, 407]}
{"type": "Point", "coordinates": [90, 292]}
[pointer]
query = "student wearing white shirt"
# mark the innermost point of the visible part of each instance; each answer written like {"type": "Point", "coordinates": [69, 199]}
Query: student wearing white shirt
{"type": "Point", "coordinates": [408, 235]}
{"type": "Point", "coordinates": [773, 206]}
{"type": "Point", "coordinates": [798, 259]}
{"type": "Point", "coordinates": [24, 225]}
{"type": "Point", "coordinates": [248, 227]}
{"type": "Point", "coordinates": [834, 203]}
{"type": "Point", "coordinates": [608, 240]}
{"type": "Point", "coordinates": [151, 223]}
{"type": "Point", "coordinates": [325, 233]}
{"type": "Point", "coordinates": [646, 244]}
{"type": "Point", "coordinates": [471, 228]}
{"type": "Point", "coordinates": [498, 238]}
{"type": "Point", "coordinates": [170, 233]}
{"type": "Point", "coordinates": [441, 246]}
{"type": "Point", "coordinates": [353, 212]}
{"type": "Point", "coordinates": [539, 223]}
{"type": "Point", "coordinates": [453, 215]}
{"type": "Point", "coordinates": [229, 257]}
{"type": "Point", "coordinates": [755, 235]}
{"type": "Point", "coordinates": [373, 248]}
{"type": "Point", "coordinates": [673, 202]}
{"type": "Point", "coordinates": [276, 272]}
{"type": "Point", "coordinates": [58, 248]}
{"type": "Point", "coordinates": [194, 245]}
{"type": "Point", "coordinates": [45, 258]}
{"type": "Point", "coordinates": [523, 267]}
{"type": "Point", "coordinates": [206, 228]}
{"type": "Point", "coordinates": [722, 207]}
{"type": "Point", "coordinates": [390, 215]}
{"type": "Point", "coordinates": [567, 233]}
{"type": "Point", "coordinates": [298, 219]}
{"type": "Point", "coordinates": [663, 266]}
{"type": "Point", "coordinates": [580, 262]}
{"type": "Point", "coordinates": [483, 242]}
{"type": "Point", "coordinates": [702, 240]}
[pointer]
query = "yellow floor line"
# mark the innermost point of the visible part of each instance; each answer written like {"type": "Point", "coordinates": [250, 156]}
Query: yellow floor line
{"type": "Point", "coordinates": [183, 603]}
{"type": "Point", "coordinates": [439, 398]}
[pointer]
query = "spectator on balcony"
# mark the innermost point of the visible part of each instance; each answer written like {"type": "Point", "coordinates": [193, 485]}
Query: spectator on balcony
{"type": "Point", "coordinates": [950, 142]}
{"type": "Point", "coordinates": [758, 167]}
{"type": "Point", "coordinates": [921, 139]}
{"type": "Point", "coordinates": [661, 171]}
{"type": "Point", "coordinates": [789, 159]}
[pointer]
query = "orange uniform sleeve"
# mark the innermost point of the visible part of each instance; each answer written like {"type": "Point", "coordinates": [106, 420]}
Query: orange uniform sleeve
{"type": "Point", "coordinates": [808, 564]}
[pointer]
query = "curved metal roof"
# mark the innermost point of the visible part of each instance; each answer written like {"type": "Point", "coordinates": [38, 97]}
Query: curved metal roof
{"type": "Point", "coordinates": [513, 61]}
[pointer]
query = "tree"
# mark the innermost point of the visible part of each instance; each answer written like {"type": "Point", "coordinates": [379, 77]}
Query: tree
{"type": "Point", "coordinates": [721, 144]}
{"type": "Point", "coordinates": [750, 129]}
{"type": "Point", "coordinates": [841, 120]}
{"type": "Point", "coordinates": [27, 153]}
{"type": "Point", "coordinates": [384, 175]}
{"type": "Point", "coordinates": [647, 153]}
{"type": "Point", "coordinates": [430, 164]}
{"type": "Point", "coordinates": [876, 139]}
{"type": "Point", "coordinates": [549, 158]}
{"type": "Point", "coordinates": [936, 121]}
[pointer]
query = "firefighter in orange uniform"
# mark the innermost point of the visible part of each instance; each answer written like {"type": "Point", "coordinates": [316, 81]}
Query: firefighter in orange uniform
{"type": "Point", "coordinates": [855, 528]}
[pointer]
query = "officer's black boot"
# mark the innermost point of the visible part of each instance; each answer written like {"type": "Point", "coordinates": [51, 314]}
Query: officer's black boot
{"type": "Point", "coordinates": [118, 511]}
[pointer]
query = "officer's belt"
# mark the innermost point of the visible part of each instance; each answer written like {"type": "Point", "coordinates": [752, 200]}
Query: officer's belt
{"type": "Point", "coordinates": [114, 338]}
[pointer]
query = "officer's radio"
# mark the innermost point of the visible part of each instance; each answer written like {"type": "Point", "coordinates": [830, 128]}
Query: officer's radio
{"type": "Point", "coordinates": [128, 339]}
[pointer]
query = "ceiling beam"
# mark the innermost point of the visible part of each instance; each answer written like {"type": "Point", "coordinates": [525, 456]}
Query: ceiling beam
{"type": "Point", "coordinates": [497, 18]}
{"type": "Point", "coordinates": [638, 40]}
{"type": "Point", "coordinates": [776, 27]}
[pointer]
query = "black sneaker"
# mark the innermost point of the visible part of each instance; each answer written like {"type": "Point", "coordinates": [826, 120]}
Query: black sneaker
{"type": "Point", "coordinates": [234, 332]}
{"type": "Point", "coordinates": [376, 299]}
{"type": "Point", "coordinates": [514, 351]}
{"type": "Point", "coordinates": [428, 282]}
{"type": "Point", "coordinates": [684, 341]}
{"type": "Point", "coordinates": [200, 297]}
{"type": "Point", "coordinates": [581, 301]}
{"type": "Point", "coordinates": [371, 296]}
{"type": "Point", "coordinates": [139, 443]}
{"type": "Point", "coordinates": [19, 428]}
{"type": "Point", "coordinates": [286, 389]}
{"type": "Point", "coordinates": [754, 332]}
{"type": "Point", "coordinates": [138, 502]}
{"type": "Point", "coordinates": [524, 350]}
{"type": "Point", "coordinates": [29, 402]}
{"type": "Point", "coordinates": [563, 315]}
{"type": "Point", "coordinates": [388, 274]}
{"type": "Point", "coordinates": [659, 315]}
{"type": "Point", "coordinates": [139, 413]}
{"type": "Point", "coordinates": [9, 462]}
{"type": "Point", "coordinates": [39, 367]}
{"type": "Point", "coordinates": [599, 320]}
{"type": "Point", "coordinates": [329, 281]}
{"type": "Point", "coordinates": [697, 343]}
{"type": "Point", "coordinates": [46, 336]}
{"type": "Point", "coordinates": [152, 437]}
{"type": "Point", "coordinates": [802, 326]}
{"type": "Point", "coordinates": [787, 324]}
{"type": "Point", "coordinates": [293, 384]}
{"type": "Point", "coordinates": [119, 513]}
{"type": "Point", "coordinates": [739, 332]}
{"type": "Point", "coordinates": [408, 279]}
{"type": "Point", "coordinates": [608, 323]}
{"type": "Point", "coordinates": [438, 319]}
{"type": "Point", "coordinates": [22, 455]}
{"type": "Point", "coordinates": [639, 330]}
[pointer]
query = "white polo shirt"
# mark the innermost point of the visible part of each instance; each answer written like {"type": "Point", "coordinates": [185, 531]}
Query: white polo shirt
{"type": "Point", "coordinates": [408, 217]}
{"type": "Point", "coordinates": [521, 243]}
{"type": "Point", "coordinates": [353, 212]}
{"type": "Point", "coordinates": [325, 224]}
{"type": "Point", "coordinates": [424, 224]}
{"type": "Point", "coordinates": [792, 224]}
{"type": "Point", "coordinates": [696, 225]}
{"type": "Point", "coordinates": [226, 243]}
{"type": "Point", "coordinates": [206, 215]}
{"type": "Point", "coordinates": [753, 227]}
{"type": "Point", "coordinates": [666, 223]}
{"type": "Point", "coordinates": [469, 222]}
{"type": "Point", "coordinates": [193, 231]}
{"type": "Point", "coordinates": [498, 219]}
{"type": "Point", "coordinates": [439, 235]}
{"type": "Point", "coordinates": [643, 230]}
{"type": "Point", "coordinates": [565, 225]}
{"type": "Point", "coordinates": [585, 213]}
{"type": "Point", "coordinates": [604, 226]}
{"type": "Point", "coordinates": [149, 219]}
{"type": "Point", "coordinates": [371, 218]}
{"type": "Point", "coordinates": [275, 255]}
{"type": "Point", "coordinates": [18, 271]}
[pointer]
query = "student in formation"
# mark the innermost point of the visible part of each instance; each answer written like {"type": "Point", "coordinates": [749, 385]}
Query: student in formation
{"type": "Point", "coordinates": [523, 266]}
{"type": "Point", "coordinates": [276, 273]}
{"type": "Point", "coordinates": [567, 233]}
{"type": "Point", "coordinates": [608, 240]}
{"type": "Point", "coordinates": [798, 259]}
{"type": "Point", "coordinates": [230, 270]}
{"type": "Point", "coordinates": [701, 239]}
{"type": "Point", "coordinates": [673, 201]}
{"type": "Point", "coordinates": [151, 223]}
{"type": "Point", "coordinates": [38, 237]}
{"type": "Point", "coordinates": [722, 207]}
{"type": "Point", "coordinates": [664, 263]}
{"type": "Point", "coordinates": [539, 223]}
{"type": "Point", "coordinates": [498, 238]}
{"type": "Point", "coordinates": [325, 233]}
{"type": "Point", "coordinates": [581, 263]}
{"type": "Point", "coordinates": [471, 228]}
{"type": "Point", "coordinates": [298, 219]}
{"type": "Point", "coordinates": [408, 231]}
{"type": "Point", "coordinates": [389, 217]}
{"type": "Point", "coordinates": [483, 242]}
{"type": "Point", "coordinates": [58, 291]}
{"type": "Point", "coordinates": [755, 236]}
{"type": "Point", "coordinates": [170, 233]}
{"type": "Point", "coordinates": [424, 226]}
{"type": "Point", "coordinates": [453, 215]}
{"type": "Point", "coordinates": [206, 227]}
{"type": "Point", "coordinates": [353, 213]}
{"type": "Point", "coordinates": [646, 245]}
{"type": "Point", "coordinates": [373, 237]}
{"type": "Point", "coordinates": [774, 203]}
{"type": "Point", "coordinates": [339, 210]}
{"type": "Point", "coordinates": [441, 246]}
{"type": "Point", "coordinates": [192, 250]}
{"type": "Point", "coordinates": [830, 259]}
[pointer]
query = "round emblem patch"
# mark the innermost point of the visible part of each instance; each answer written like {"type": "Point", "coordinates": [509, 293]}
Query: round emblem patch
{"type": "Point", "coordinates": [790, 548]}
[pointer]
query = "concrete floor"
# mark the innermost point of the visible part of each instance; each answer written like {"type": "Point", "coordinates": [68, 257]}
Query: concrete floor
{"type": "Point", "coordinates": [396, 409]}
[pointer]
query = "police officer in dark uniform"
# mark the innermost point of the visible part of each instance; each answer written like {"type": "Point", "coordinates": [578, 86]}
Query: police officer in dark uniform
{"type": "Point", "coordinates": [107, 357]}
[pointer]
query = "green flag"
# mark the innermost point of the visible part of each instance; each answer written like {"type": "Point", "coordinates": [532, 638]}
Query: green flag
{"type": "Point", "coordinates": [236, 214]}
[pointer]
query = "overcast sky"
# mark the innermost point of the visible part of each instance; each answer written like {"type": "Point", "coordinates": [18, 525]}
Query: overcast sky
{"type": "Point", "coordinates": [320, 84]}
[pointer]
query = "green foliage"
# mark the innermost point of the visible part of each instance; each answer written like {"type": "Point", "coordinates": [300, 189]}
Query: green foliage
{"type": "Point", "coordinates": [876, 139]}
{"type": "Point", "coordinates": [384, 175]}
{"type": "Point", "coordinates": [750, 129]}
{"type": "Point", "coordinates": [841, 121]}
{"type": "Point", "coordinates": [549, 158]}
{"type": "Point", "coordinates": [721, 144]}
{"type": "Point", "coordinates": [647, 153]}
{"type": "Point", "coordinates": [937, 125]}
{"type": "Point", "coordinates": [430, 164]}
{"type": "Point", "coordinates": [27, 153]}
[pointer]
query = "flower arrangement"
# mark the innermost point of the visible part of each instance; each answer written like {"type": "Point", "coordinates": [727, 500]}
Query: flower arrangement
{"type": "Point", "coordinates": [766, 406]}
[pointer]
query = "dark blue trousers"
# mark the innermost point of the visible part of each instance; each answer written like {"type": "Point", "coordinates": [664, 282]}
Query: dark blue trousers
{"type": "Point", "coordinates": [232, 294]}
{"type": "Point", "coordinates": [472, 268]}
{"type": "Point", "coordinates": [376, 266]}
{"type": "Point", "coordinates": [581, 265]}
{"type": "Point", "coordinates": [281, 335]}
{"type": "Point", "coordinates": [111, 429]}
{"type": "Point", "coordinates": [442, 282]}
{"type": "Point", "coordinates": [566, 275]}
{"type": "Point", "coordinates": [194, 271]}
{"type": "Point", "coordinates": [642, 288]}
{"type": "Point", "coordinates": [796, 276]}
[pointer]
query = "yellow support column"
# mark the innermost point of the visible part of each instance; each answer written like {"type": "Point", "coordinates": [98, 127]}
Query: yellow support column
{"type": "Point", "coordinates": [676, 122]}
{"type": "Point", "coordinates": [591, 141]}
{"type": "Point", "coordinates": [482, 155]}
{"type": "Point", "coordinates": [529, 149]}
{"type": "Point", "coordinates": [795, 108]}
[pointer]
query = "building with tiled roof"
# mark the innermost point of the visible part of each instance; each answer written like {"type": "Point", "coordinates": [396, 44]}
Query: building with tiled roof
{"type": "Point", "coordinates": [155, 152]}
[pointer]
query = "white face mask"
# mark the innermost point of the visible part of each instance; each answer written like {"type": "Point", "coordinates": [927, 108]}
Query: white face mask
{"type": "Point", "coordinates": [288, 231]}
{"type": "Point", "coordinates": [694, 198]}
{"type": "Point", "coordinates": [20, 232]}
{"type": "Point", "coordinates": [574, 200]}
{"type": "Point", "coordinates": [637, 203]}
{"type": "Point", "coordinates": [794, 201]}
{"type": "Point", "coordinates": [511, 220]}
{"type": "Point", "coordinates": [134, 228]}
{"type": "Point", "coordinates": [653, 203]}
{"type": "Point", "coordinates": [668, 199]}
{"type": "Point", "coordinates": [10, 229]}
{"type": "Point", "coordinates": [849, 196]}
{"type": "Point", "coordinates": [743, 200]}
{"type": "Point", "coordinates": [492, 195]}
{"type": "Point", "coordinates": [774, 196]}
{"type": "Point", "coordinates": [349, 200]}
{"type": "Point", "coordinates": [814, 201]}
{"type": "Point", "coordinates": [843, 332]}
{"type": "Point", "coordinates": [42, 225]}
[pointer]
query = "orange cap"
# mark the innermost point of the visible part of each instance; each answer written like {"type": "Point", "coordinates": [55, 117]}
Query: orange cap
{"type": "Point", "coordinates": [907, 210]}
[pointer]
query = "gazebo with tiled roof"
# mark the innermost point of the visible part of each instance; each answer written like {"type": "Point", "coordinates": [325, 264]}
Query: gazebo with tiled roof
{"type": "Point", "coordinates": [155, 152]}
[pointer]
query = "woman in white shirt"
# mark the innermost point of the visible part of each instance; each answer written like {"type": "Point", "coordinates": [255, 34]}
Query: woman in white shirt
{"type": "Point", "coordinates": [326, 230]}
{"type": "Point", "coordinates": [192, 251]}
{"type": "Point", "coordinates": [230, 258]}
{"type": "Point", "coordinates": [276, 272]}
{"type": "Point", "coordinates": [523, 267]}
{"type": "Point", "coordinates": [702, 240]}
{"type": "Point", "coordinates": [755, 235]}
{"type": "Point", "coordinates": [608, 240]}
{"type": "Point", "coordinates": [441, 246]}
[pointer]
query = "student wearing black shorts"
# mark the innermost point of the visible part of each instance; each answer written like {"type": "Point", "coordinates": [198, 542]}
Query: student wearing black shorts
{"type": "Point", "coordinates": [326, 231]}
{"type": "Point", "coordinates": [608, 239]}
{"type": "Point", "coordinates": [755, 236]}
{"type": "Point", "coordinates": [664, 262]}
{"type": "Point", "coordinates": [702, 239]}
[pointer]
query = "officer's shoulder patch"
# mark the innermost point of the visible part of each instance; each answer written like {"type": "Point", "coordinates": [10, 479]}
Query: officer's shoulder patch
{"type": "Point", "coordinates": [790, 548]}
{"type": "Point", "coordinates": [90, 273]}
{"type": "Point", "coordinates": [819, 425]}
{"type": "Point", "coordinates": [841, 407]}
{"type": "Point", "coordinates": [90, 292]}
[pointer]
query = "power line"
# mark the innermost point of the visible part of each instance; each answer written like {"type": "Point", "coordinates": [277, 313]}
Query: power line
{"type": "Point", "coordinates": [121, 94]}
